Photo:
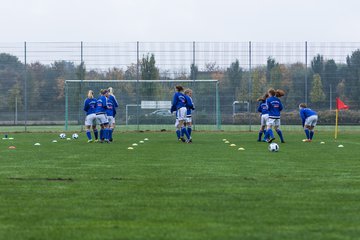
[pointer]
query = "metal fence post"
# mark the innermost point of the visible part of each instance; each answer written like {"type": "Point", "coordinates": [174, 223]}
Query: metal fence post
{"type": "Point", "coordinates": [137, 84]}
{"type": "Point", "coordinates": [25, 86]}
{"type": "Point", "coordinates": [249, 86]}
{"type": "Point", "coordinates": [306, 75]}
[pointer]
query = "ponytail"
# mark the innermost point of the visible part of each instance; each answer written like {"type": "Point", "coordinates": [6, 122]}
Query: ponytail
{"type": "Point", "coordinates": [90, 94]}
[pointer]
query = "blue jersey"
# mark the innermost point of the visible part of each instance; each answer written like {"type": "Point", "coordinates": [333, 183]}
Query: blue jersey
{"type": "Point", "coordinates": [90, 105]}
{"type": "Point", "coordinates": [263, 108]}
{"type": "Point", "coordinates": [110, 109]}
{"type": "Point", "coordinates": [101, 105]}
{"type": "Point", "coordinates": [189, 105]}
{"type": "Point", "coordinates": [274, 107]}
{"type": "Point", "coordinates": [114, 105]}
{"type": "Point", "coordinates": [305, 113]}
{"type": "Point", "coordinates": [114, 101]}
{"type": "Point", "coordinates": [179, 101]}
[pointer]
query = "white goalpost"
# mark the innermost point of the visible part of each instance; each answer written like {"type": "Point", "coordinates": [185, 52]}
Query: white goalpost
{"type": "Point", "coordinates": [144, 104]}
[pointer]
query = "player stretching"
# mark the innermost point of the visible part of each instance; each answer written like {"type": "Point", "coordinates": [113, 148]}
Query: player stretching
{"type": "Point", "coordinates": [90, 119]}
{"type": "Point", "coordinates": [179, 105]}
{"type": "Point", "coordinates": [309, 119]}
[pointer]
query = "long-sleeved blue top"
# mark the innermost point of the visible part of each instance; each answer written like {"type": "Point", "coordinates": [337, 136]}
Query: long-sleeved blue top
{"type": "Point", "coordinates": [189, 105]}
{"type": "Point", "coordinates": [101, 104]}
{"type": "Point", "coordinates": [112, 104]}
{"type": "Point", "coordinates": [305, 113]}
{"type": "Point", "coordinates": [90, 105]}
{"type": "Point", "coordinates": [274, 107]}
{"type": "Point", "coordinates": [113, 99]}
{"type": "Point", "coordinates": [179, 101]}
{"type": "Point", "coordinates": [263, 108]}
{"type": "Point", "coordinates": [110, 110]}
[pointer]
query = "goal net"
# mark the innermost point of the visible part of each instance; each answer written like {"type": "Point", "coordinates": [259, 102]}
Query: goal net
{"type": "Point", "coordinates": [145, 104]}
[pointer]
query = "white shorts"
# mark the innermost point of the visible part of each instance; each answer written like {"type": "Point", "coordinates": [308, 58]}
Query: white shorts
{"type": "Point", "coordinates": [264, 118]}
{"type": "Point", "coordinates": [311, 121]}
{"type": "Point", "coordinates": [111, 120]}
{"type": "Point", "coordinates": [102, 119]}
{"type": "Point", "coordinates": [181, 114]}
{"type": "Point", "coordinates": [188, 119]}
{"type": "Point", "coordinates": [176, 123]}
{"type": "Point", "coordinates": [273, 122]}
{"type": "Point", "coordinates": [90, 120]}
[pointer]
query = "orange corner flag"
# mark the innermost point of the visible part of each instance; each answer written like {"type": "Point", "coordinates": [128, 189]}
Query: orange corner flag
{"type": "Point", "coordinates": [340, 104]}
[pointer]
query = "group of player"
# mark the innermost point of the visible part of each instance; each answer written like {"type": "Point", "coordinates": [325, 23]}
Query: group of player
{"type": "Point", "coordinates": [270, 107]}
{"type": "Point", "coordinates": [100, 111]}
{"type": "Point", "coordinates": [183, 105]}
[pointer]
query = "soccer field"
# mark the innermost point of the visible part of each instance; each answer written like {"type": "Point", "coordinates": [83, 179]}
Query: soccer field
{"type": "Point", "coordinates": [165, 189]}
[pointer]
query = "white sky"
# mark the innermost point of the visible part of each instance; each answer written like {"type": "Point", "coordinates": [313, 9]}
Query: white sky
{"type": "Point", "coordinates": [180, 20]}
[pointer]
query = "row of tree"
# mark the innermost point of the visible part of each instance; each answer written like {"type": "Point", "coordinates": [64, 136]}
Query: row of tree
{"type": "Point", "coordinates": [317, 84]}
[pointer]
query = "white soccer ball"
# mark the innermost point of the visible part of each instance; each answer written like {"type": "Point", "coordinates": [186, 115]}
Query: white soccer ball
{"type": "Point", "coordinates": [273, 147]}
{"type": "Point", "coordinates": [62, 135]}
{"type": "Point", "coordinates": [75, 136]}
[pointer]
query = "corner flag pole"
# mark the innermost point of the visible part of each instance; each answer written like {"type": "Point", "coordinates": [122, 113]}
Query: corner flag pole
{"type": "Point", "coordinates": [336, 122]}
{"type": "Point", "coordinates": [339, 105]}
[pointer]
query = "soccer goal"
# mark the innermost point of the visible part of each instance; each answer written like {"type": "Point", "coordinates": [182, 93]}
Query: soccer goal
{"type": "Point", "coordinates": [145, 104]}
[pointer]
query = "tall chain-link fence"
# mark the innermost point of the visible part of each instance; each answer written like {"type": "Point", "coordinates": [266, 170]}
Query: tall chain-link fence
{"type": "Point", "coordinates": [33, 76]}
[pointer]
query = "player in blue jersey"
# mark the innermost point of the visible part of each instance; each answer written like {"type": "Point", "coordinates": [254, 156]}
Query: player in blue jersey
{"type": "Point", "coordinates": [179, 105]}
{"type": "Point", "coordinates": [100, 111]}
{"type": "Point", "coordinates": [279, 93]}
{"type": "Point", "coordinates": [110, 117]}
{"type": "Point", "coordinates": [111, 113]}
{"type": "Point", "coordinates": [309, 120]}
{"type": "Point", "coordinates": [274, 107]}
{"type": "Point", "coordinates": [264, 115]}
{"type": "Point", "coordinates": [189, 108]}
{"type": "Point", "coordinates": [90, 119]}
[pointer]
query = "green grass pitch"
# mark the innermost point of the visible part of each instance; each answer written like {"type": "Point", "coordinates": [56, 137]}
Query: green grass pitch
{"type": "Point", "coordinates": [164, 189]}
